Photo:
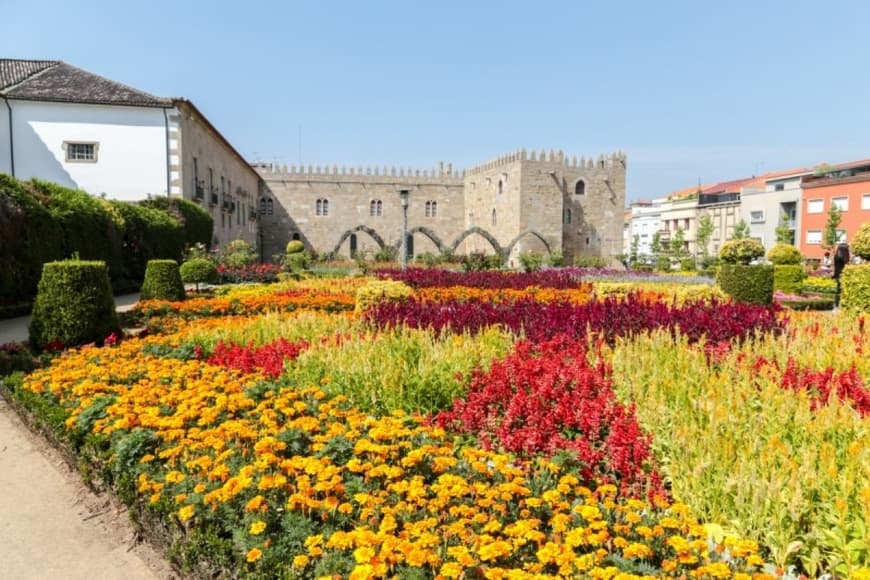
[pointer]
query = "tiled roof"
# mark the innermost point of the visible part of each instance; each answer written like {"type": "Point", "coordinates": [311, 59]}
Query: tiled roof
{"type": "Point", "coordinates": [14, 71]}
{"type": "Point", "coordinates": [733, 186]}
{"type": "Point", "coordinates": [60, 82]}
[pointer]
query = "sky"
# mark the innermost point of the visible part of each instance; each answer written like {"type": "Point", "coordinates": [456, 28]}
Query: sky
{"type": "Point", "coordinates": [692, 91]}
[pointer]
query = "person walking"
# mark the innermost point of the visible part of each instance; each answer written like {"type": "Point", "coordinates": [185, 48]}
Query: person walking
{"type": "Point", "coordinates": [841, 258]}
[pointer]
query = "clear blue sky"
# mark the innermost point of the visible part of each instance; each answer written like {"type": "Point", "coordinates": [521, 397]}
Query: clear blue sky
{"type": "Point", "coordinates": [690, 90]}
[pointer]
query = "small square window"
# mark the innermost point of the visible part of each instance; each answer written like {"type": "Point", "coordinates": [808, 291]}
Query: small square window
{"type": "Point", "coordinates": [815, 206]}
{"type": "Point", "coordinates": [814, 236]}
{"type": "Point", "coordinates": [841, 203]}
{"type": "Point", "coordinates": [779, 187]}
{"type": "Point", "coordinates": [756, 216]}
{"type": "Point", "coordinates": [865, 201]}
{"type": "Point", "coordinates": [81, 152]}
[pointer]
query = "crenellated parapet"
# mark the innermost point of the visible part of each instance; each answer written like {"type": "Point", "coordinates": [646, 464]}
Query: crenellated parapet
{"type": "Point", "coordinates": [551, 157]}
{"type": "Point", "coordinates": [441, 174]}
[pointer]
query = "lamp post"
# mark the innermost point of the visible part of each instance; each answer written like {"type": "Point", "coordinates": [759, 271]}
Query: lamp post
{"type": "Point", "coordinates": [403, 196]}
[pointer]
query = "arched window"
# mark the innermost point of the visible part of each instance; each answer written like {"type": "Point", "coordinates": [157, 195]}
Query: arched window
{"type": "Point", "coordinates": [431, 209]}
{"type": "Point", "coordinates": [322, 207]}
{"type": "Point", "coordinates": [500, 187]}
{"type": "Point", "coordinates": [494, 220]}
{"type": "Point", "coordinates": [580, 188]}
{"type": "Point", "coordinates": [376, 207]}
{"type": "Point", "coordinates": [266, 206]}
{"type": "Point", "coordinates": [566, 216]}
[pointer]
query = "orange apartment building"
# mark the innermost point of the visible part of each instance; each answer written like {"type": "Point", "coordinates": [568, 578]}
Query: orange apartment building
{"type": "Point", "coordinates": [846, 186]}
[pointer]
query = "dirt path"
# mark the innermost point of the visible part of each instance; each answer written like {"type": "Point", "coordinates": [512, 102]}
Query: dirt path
{"type": "Point", "coordinates": [52, 527]}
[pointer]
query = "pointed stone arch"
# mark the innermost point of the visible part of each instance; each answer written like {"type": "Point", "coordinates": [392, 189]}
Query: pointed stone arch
{"type": "Point", "coordinates": [482, 233]}
{"type": "Point", "coordinates": [429, 234]}
{"type": "Point", "coordinates": [371, 232]}
{"type": "Point", "coordinates": [533, 233]}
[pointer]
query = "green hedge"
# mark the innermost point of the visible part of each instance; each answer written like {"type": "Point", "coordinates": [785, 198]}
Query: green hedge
{"type": "Point", "coordinates": [855, 288]}
{"type": "Point", "coordinates": [42, 222]}
{"type": "Point", "coordinates": [196, 222]}
{"type": "Point", "coordinates": [74, 304]}
{"type": "Point", "coordinates": [162, 281]}
{"type": "Point", "coordinates": [198, 271]}
{"type": "Point", "coordinates": [788, 278]}
{"type": "Point", "coordinates": [745, 283]}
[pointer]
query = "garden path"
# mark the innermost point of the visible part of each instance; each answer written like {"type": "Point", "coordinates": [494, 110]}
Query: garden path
{"type": "Point", "coordinates": [51, 526]}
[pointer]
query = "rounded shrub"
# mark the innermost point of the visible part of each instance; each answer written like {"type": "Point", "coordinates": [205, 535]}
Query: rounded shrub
{"type": "Point", "coordinates": [162, 281]}
{"type": "Point", "coordinates": [295, 247]}
{"type": "Point", "coordinates": [783, 254]}
{"type": "Point", "coordinates": [744, 283]}
{"type": "Point", "coordinates": [861, 242]}
{"type": "Point", "coordinates": [73, 305]}
{"type": "Point", "coordinates": [663, 264]}
{"type": "Point", "coordinates": [688, 265]}
{"type": "Point", "coordinates": [741, 251]}
{"type": "Point", "coordinates": [855, 284]}
{"type": "Point", "coordinates": [198, 271]}
{"type": "Point", "coordinates": [788, 278]}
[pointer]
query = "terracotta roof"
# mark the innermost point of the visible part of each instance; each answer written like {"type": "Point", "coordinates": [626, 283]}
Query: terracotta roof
{"type": "Point", "coordinates": [786, 172]}
{"type": "Point", "coordinates": [14, 71]}
{"type": "Point", "coordinates": [60, 82]}
{"type": "Point", "coordinates": [681, 193]}
{"type": "Point", "coordinates": [734, 185]}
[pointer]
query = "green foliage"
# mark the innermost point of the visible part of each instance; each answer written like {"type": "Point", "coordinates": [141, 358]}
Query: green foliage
{"type": "Point", "coordinates": [633, 252]}
{"type": "Point", "coordinates": [782, 254]}
{"type": "Point", "coordinates": [663, 264]}
{"type": "Point", "coordinates": [656, 244]}
{"type": "Point", "coordinates": [861, 242]}
{"type": "Point", "coordinates": [297, 261]}
{"type": "Point", "coordinates": [295, 247]}
{"type": "Point", "coordinates": [830, 237]}
{"type": "Point", "coordinates": [74, 304]}
{"type": "Point", "coordinates": [237, 254]}
{"type": "Point", "coordinates": [590, 262]}
{"type": "Point", "coordinates": [197, 223]}
{"type": "Point", "coordinates": [678, 244]}
{"type": "Point", "coordinates": [741, 231]}
{"type": "Point", "coordinates": [688, 265]}
{"type": "Point", "coordinates": [429, 259]}
{"type": "Point", "coordinates": [162, 281]}
{"type": "Point", "coordinates": [386, 254]}
{"type": "Point", "coordinates": [740, 251]}
{"type": "Point", "coordinates": [751, 284]}
{"type": "Point", "coordinates": [148, 234]}
{"type": "Point", "coordinates": [478, 261]}
{"type": "Point", "coordinates": [198, 271]}
{"type": "Point", "coordinates": [705, 233]}
{"type": "Point", "coordinates": [855, 288]}
{"type": "Point", "coordinates": [819, 285]}
{"type": "Point", "coordinates": [784, 234]}
{"type": "Point", "coordinates": [531, 262]}
{"type": "Point", "coordinates": [555, 259]}
{"type": "Point", "coordinates": [788, 278]}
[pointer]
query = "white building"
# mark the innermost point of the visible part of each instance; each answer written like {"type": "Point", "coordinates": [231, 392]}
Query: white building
{"type": "Point", "coordinates": [62, 124]}
{"type": "Point", "coordinates": [643, 225]}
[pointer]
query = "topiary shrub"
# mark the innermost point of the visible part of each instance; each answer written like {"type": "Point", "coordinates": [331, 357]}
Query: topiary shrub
{"type": "Point", "coordinates": [295, 247]}
{"type": "Point", "coordinates": [663, 264]}
{"type": "Point", "coordinates": [788, 278]}
{"type": "Point", "coordinates": [741, 251]}
{"type": "Point", "coordinates": [688, 265]}
{"type": "Point", "coordinates": [861, 242]}
{"type": "Point", "coordinates": [855, 288]}
{"type": "Point", "coordinates": [162, 281]}
{"type": "Point", "coordinates": [784, 254]}
{"type": "Point", "coordinates": [298, 261]}
{"type": "Point", "coordinates": [198, 271]}
{"type": "Point", "coordinates": [73, 305]}
{"type": "Point", "coordinates": [744, 283]}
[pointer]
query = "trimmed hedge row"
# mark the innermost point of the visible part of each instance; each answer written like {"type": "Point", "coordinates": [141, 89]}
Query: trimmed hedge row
{"type": "Point", "coordinates": [745, 283]}
{"type": "Point", "coordinates": [42, 222]}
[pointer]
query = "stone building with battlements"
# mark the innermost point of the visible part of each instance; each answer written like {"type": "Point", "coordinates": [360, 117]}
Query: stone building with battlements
{"type": "Point", "coordinates": [518, 203]}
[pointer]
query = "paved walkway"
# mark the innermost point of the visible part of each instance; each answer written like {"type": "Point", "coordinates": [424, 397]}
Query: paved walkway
{"type": "Point", "coordinates": [51, 525]}
{"type": "Point", "coordinates": [15, 329]}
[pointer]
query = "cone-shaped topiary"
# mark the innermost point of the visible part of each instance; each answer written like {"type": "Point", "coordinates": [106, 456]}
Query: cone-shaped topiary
{"type": "Point", "coordinates": [73, 305]}
{"type": "Point", "coordinates": [162, 281]}
{"type": "Point", "coordinates": [198, 271]}
{"type": "Point", "coordinates": [783, 254]}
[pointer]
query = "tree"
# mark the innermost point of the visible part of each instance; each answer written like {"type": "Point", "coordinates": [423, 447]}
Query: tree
{"type": "Point", "coordinates": [705, 232]}
{"type": "Point", "coordinates": [655, 245]}
{"type": "Point", "coordinates": [678, 244]}
{"type": "Point", "coordinates": [741, 230]}
{"type": "Point", "coordinates": [832, 236]}
{"type": "Point", "coordinates": [635, 245]}
{"type": "Point", "coordinates": [784, 233]}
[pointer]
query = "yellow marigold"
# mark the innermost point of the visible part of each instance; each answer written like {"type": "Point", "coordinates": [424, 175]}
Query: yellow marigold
{"type": "Point", "coordinates": [364, 554]}
{"type": "Point", "coordinates": [254, 554]}
{"type": "Point", "coordinates": [186, 512]}
{"type": "Point", "coordinates": [300, 561]}
{"type": "Point", "coordinates": [362, 572]}
{"type": "Point", "coordinates": [174, 477]}
{"type": "Point", "coordinates": [257, 528]}
{"type": "Point", "coordinates": [450, 570]}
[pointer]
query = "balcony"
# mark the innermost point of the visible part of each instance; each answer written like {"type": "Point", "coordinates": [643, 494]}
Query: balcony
{"type": "Point", "coordinates": [198, 192]}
